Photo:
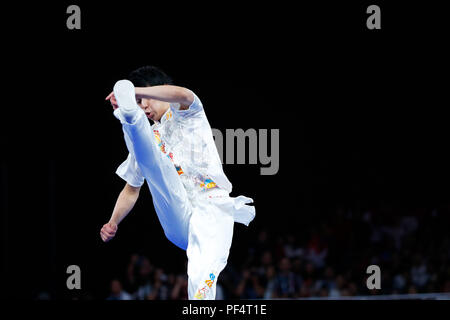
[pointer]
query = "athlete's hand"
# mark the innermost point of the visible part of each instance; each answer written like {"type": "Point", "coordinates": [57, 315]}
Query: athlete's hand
{"type": "Point", "coordinates": [112, 100]}
{"type": "Point", "coordinates": [108, 231]}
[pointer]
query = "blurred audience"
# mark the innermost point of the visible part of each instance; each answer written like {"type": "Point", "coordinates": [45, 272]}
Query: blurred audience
{"type": "Point", "coordinates": [326, 258]}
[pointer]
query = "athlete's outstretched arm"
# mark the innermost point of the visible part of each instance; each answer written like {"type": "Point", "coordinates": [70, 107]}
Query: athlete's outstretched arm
{"type": "Point", "coordinates": [167, 93]}
{"type": "Point", "coordinates": [125, 202]}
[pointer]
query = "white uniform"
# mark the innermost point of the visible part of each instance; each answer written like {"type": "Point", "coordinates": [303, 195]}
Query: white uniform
{"type": "Point", "coordinates": [179, 160]}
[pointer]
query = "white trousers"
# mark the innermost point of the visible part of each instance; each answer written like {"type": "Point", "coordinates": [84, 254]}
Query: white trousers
{"type": "Point", "coordinates": [202, 228]}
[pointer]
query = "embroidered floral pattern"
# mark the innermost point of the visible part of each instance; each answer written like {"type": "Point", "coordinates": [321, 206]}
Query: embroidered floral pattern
{"type": "Point", "coordinates": [208, 184]}
{"type": "Point", "coordinates": [204, 183]}
{"type": "Point", "coordinates": [201, 293]}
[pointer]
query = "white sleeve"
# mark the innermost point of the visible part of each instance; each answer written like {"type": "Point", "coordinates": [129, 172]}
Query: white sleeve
{"type": "Point", "coordinates": [130, 172]}
{"type": "Point", "coordinates": [195, 107]}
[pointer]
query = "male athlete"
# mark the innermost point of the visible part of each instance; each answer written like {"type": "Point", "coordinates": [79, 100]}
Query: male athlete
{"type": "Point", "coordinates": [178, 158]}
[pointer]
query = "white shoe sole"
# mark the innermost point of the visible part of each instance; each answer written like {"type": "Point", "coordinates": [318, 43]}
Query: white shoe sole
{"type": "Point", "coordinates": [126, 96]}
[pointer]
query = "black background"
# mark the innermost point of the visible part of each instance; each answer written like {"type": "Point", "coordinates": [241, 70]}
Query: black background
{"type": "Point", "coordinates": [361, 113]}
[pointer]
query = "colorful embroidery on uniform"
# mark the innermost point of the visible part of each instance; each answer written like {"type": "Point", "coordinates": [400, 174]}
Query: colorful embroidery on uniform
{"type": "Point", "coordinates": [206, 184]}
{"type": "Point", "coordinates": [161, 144]}
{"type": "Point", "coordinates": [179, 170]}
{"type": "Point", "coordinates": [201, 293]}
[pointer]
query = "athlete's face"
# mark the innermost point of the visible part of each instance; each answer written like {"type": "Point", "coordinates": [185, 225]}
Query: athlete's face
{"type": "Point", "coordinates": [154, 109]}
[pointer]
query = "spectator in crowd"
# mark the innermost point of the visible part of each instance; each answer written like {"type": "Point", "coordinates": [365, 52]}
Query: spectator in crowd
{"type": "Point", "coordinates": [249, 286]}
{"type": "Point", "coordinates": [270, 283]}
{"type": "Point", "coordinates": [419, 274]}
{"type": "Point", "coordinates": [287, 283]}
{"type": "Point", "coordinates": [144, 277]}
{"type": "Point", "coordinates": [160, 288]}
{"type": "Point", "coordinates": [131, 281]}
{"type": "Point", "coordinates": [317, 250]}
{"type": "Point", "coordinates": [117, 293]}
{"type": "Point", "coordinates": [179, 290]}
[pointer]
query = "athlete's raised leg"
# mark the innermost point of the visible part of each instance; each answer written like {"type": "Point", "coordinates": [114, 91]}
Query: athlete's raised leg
{"type": "Point", "coordinates": [169, 196]}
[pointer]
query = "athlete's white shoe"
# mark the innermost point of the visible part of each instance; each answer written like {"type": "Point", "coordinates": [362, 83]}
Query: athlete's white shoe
{"type": "Point", "coordinates": [126, 99]}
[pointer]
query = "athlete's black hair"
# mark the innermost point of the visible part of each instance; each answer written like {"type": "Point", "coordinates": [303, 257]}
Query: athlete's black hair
{"type": "Point", "coordinates": [148, 76]}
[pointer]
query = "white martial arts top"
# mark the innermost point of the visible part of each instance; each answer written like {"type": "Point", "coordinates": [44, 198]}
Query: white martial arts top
{"type": "Point", "coordinates": [187, 136]}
